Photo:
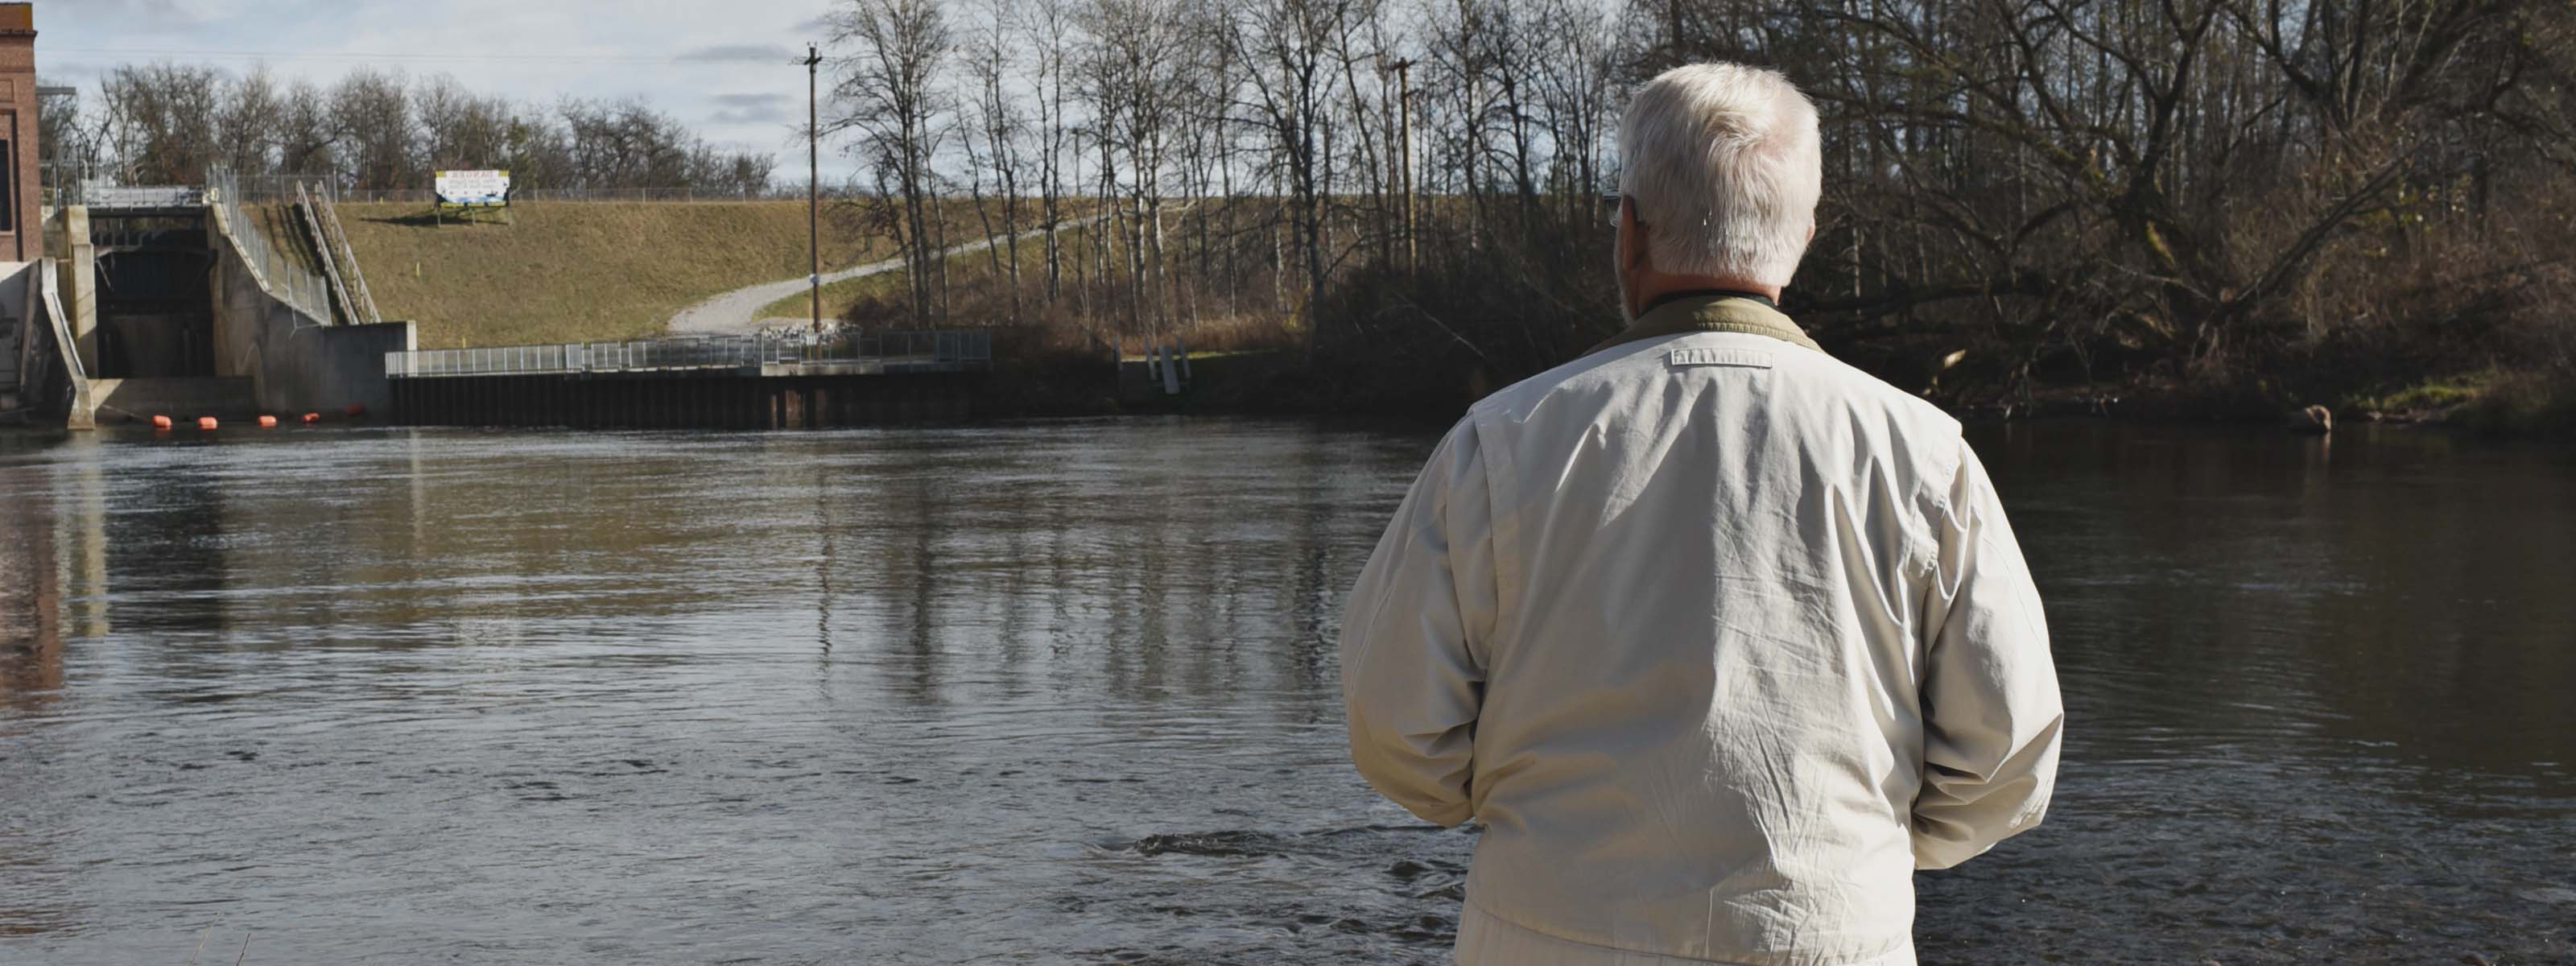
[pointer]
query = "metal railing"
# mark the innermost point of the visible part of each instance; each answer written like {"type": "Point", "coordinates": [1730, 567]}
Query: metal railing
{"type": "Point", "coordinates": [285, 278]}
{"type": "Point", "coordinates": [280, 188]}
{"type": "Point", "coordinates": [523, 196]}
{"type": "Point", "coordinates": [99, 195]}
{"type": "Point", "coordinates": [928, 350]}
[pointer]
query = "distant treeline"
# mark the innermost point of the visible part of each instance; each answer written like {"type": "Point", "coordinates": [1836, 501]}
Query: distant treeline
{"type": "Point", "coordinates": [2247, 200]}
{"type": "Point", "coordinates": [372, 131]}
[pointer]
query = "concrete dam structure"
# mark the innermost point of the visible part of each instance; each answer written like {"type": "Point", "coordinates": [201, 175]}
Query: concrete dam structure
{"type": "Point", "coordinates": [170, 303]}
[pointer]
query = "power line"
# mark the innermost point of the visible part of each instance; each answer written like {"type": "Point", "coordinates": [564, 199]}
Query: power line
{"type": "Point", "coordinates": [782, 57]}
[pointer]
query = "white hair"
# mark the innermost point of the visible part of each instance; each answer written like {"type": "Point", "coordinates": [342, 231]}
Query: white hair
{"type": "Point", "coordinates": [1724, 164]}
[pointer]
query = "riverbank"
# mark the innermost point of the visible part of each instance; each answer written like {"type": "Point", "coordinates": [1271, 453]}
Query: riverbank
{"type": "Point", "coordinates": [1413, 343]}
{"type": "Point", "coordinates": [1037, 376]}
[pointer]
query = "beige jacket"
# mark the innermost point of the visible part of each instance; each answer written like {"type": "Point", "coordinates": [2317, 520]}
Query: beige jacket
{"type": "Point", "coordinates": [1719, 638]}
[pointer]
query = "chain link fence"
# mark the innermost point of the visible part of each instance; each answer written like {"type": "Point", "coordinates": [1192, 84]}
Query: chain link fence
{"type": "Point", "coordinates": [286, 278]}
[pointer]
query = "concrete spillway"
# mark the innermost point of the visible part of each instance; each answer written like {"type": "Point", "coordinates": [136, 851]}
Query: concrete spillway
{"type": "Point", "coordinates": [168, 302]}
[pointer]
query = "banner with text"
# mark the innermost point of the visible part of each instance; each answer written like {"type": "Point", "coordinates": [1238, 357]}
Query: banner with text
{"type": "Point", "coordinates": [474, 189]}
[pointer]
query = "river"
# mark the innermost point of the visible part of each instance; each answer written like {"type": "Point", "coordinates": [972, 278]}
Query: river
{"type": "Point", "coordinates": [1068, 692]}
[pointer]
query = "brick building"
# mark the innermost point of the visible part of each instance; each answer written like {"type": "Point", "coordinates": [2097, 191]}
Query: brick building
{"type": "Point", "coordinates": [21, 237]}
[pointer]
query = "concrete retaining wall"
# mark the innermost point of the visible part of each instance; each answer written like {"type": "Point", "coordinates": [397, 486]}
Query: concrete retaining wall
{"type": "Point", "coordinates": [295, 363]}
{"type": "Point", "coordinates": [54, 381]}
{"type": "Point", "coordinates": [182, 398]}
{"type": "Point", "coordinates": [18, 319]}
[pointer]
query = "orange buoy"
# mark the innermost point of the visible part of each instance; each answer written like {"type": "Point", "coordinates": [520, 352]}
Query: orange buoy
{"type": "Point", "coordinates": [311, 418]}
{"type": "Point", "coordinates": [205, 422]}
{"type": "Point", "coordinates": [355, 409]}
{"type": "Point", "coordinates": [160, 422]}
{"type": "Point", "coordinates": [267, 422]}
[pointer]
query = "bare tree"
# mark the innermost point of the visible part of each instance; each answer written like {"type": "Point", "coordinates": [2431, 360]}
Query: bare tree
{"type": "Point", "coordinates": [888, 91]}
{"type": "Point", "coordinates": [251, 122]}
{"type": "Point", "coordinates": [308, 138]}
{"type": "Point", "coordinates": [1139, 63]}
{"type": "Point", "coordinates": [160, 121]}
{"type": "Point", "coordinates": [1000, 127]}
{"type": "Point", "coordinates": [1285, 49]}
{"type": "Point", "coordinates": [374, 109]}
{"type": "Point", "coordinates": [1048, 26]}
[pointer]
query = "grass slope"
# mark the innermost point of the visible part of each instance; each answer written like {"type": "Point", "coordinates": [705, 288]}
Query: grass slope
{"type": "Point", "coordinates": [968, 268]}
{"type": "Point", "coordinates": [839, 296]}
{"type": "Point", "coordinates": [570, 272]}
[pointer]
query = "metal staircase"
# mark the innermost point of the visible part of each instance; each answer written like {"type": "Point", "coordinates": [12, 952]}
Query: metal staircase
{"type": "Point", "coordinates": [348, 257]}
{"type": "Point", "coordinates": [339, 261]}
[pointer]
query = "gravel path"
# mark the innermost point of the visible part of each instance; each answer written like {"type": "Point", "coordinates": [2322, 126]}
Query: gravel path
{"type": "Point", "coordinates": [731, 312]}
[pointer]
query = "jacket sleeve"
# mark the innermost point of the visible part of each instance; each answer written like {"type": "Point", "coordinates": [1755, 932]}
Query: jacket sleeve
{"type": "Point", "coordinates": [1991, 712]}
{"type": "Point", "coordinates": [1413, 639]}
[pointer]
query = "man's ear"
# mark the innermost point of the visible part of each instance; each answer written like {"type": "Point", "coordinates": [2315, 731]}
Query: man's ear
{"type": "Point", "coordinates": [1632, 236]}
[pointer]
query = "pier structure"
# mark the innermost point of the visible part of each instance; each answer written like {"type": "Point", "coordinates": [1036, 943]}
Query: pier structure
{"type": "Point", "coordinates": [767, 381]}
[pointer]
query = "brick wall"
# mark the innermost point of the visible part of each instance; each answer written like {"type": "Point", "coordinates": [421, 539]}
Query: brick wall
{"type": "Point", "coordinates": [22, 239]}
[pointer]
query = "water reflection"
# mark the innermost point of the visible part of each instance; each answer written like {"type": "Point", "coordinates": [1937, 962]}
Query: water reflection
{"type": "Point", "coordinates": [33, 570]}
{"type": "Point", "coordinates": [1069, 691]}
{"type": "Point", "coordinates": [31, 591]}
{"type": "Point", "coordinates": [2409, 592]}
{"type": "Point", "coordinates": [2316, 696]}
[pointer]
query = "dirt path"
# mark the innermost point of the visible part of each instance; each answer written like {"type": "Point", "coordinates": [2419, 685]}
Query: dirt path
{"type": "Point", "coordinates": [732, 312]}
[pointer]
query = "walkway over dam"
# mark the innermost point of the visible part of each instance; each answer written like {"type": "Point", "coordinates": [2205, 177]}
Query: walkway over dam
{"type": "Point", "coordinates": [766, 381]}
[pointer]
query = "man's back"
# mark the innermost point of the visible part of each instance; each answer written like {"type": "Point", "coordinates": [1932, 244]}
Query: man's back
{"type": "Point", "coordinates": [1737, 638]}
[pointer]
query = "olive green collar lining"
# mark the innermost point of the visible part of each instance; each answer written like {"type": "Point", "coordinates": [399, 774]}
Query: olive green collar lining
{"type": "Point", "coordinates": [1711, 313]}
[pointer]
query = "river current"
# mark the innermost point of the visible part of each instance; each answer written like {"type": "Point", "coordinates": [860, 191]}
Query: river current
{"type": "Point", "coordinates": [1068, 692]}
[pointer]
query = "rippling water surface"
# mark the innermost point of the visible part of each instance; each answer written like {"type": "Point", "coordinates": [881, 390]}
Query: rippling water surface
{"type": "Point", "coordinates": [1068, 692]}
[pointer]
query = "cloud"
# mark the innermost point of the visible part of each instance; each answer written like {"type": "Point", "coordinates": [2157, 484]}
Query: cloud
{"type": "Point", "coordinates": [770, 114]}
{"type": "Point", "coordinates": [770, 99]}
{"type": "Point", "coordinates": [62, 72]}
{"type": "Point", "coordinates": [133, 13]}
{"type": "Point", "coordinates": [766, 107]}
{"type": "Point", "coordinates": [741, 52]}
{"type": "Point", "coordinates": [133, 18]}
{"type": "Point", "coordinates": [818, 26]}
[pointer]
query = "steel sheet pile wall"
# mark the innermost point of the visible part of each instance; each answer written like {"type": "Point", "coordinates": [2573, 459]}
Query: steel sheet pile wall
{"type": "Point", "coordinates": [685, 401]}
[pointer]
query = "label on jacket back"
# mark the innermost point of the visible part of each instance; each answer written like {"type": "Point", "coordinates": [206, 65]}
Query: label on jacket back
{"type": "Point", "coordinates": [1705, 356]}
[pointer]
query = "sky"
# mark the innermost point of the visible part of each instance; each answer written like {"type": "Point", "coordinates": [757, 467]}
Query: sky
{"type": "Point", "coordinates": [727, 68]}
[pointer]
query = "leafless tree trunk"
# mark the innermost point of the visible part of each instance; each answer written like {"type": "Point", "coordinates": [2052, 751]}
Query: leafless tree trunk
{"type": "Point", "coordinates": [888, 87]}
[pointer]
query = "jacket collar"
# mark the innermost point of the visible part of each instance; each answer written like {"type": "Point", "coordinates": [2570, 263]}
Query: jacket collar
{"type": "Point", "coordinates": [1710, 313]}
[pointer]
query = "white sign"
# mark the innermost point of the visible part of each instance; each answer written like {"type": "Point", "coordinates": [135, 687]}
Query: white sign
{"type": "Point", "coordinates": [474, 187]}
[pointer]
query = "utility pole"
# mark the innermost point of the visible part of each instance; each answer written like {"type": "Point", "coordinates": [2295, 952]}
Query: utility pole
{"type": "Point", "coordinates": [1404, 139]}
{"type": "Point", "coordinates": [814, 184]}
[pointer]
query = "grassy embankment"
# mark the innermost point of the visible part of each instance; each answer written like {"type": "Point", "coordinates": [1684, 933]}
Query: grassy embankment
{"type": "Point", "coordinates": [571, 272]}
